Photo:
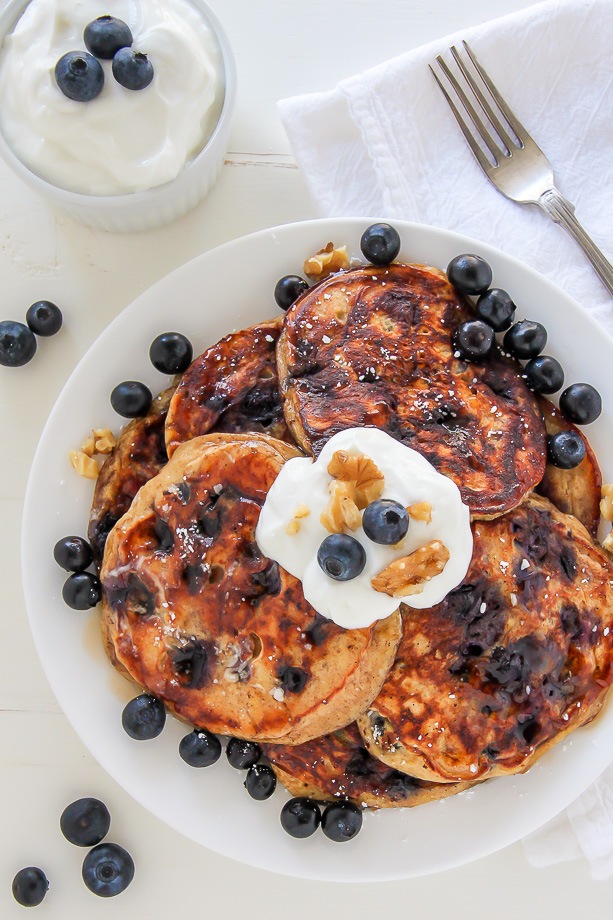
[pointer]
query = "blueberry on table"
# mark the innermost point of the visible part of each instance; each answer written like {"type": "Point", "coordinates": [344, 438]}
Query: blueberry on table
{"type": "Point", "coordinates": [380, 244]}
{"type": "Point", "coordinates": [242, 754]}
{"type": "Point", "coordinates": [108, 869]}
{"type": "Point", "coordinates": [260, 782]}
{"type": "Point", "coordinates": [525, 339]}
{"type": "Point", "coordinates": [300, 817]}
{"type": "Point", "coordinates": [132, 69]}
{"type": "Point", "coordinates": [341, 821]}
{"type": "Point", "coordinates": [200, 748]}
{"type": "Point", "coordinates": [85, 822]}
{"type": "Point", "coordinates": [143, 718]}
{"type": "Point", "coordinates": [171, 353]}
{"type": "Point", "coordinates": [82, 591]}
{"type": "Point", "coordinates": [581, 403]}
{"type": "Point", "coordinates": [469, 274]}
{"type": "Point", "coordinates": [17, 344]}
{"type": "Point", "coordinates": [341, 557]}
{"type": "Point", "coordinates": [288, 289]}
{"type": "Point", "coordinates": [73, 554]}
{"type": "Point", "coordinates": [131, 399]}
{"type": "Point", "coordinates": [544, 374]}
{"type": "Point", "coordinates": [385, 521]}
{"type": "Point", "coordinates": [79, 76]}
{"type": "Point", "coordinates": [474, 340]}
{"type": "Point", "coordinates": [495, 308]}
{"type": "Point", "coordinates": [106, 35]}
{"type": "Point", "coordinates": [565, 449]}
{"type": "Point", "coordinates": [44, 318]}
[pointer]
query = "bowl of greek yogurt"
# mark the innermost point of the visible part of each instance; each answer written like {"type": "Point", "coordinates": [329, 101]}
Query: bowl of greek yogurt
{"type": "Point", "coordinates": [129, 159]}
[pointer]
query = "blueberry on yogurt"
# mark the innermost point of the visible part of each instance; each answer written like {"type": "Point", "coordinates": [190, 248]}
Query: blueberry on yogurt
{"type": "Point", "coordinates": [385, 521]}
{"type": "Point", "coordinates": [79, 76]}
{"type": "Point", "coordinates": [105, 36]}
{"type": "Point", "coordinates": [132, 69]}
{"type": "Point", "coordinates": [341, 557]}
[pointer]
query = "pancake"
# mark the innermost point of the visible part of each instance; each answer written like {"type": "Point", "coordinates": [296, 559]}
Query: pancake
{"type": "Point", "coordinates": [197, 616]}
{"type": "Point", "coordinates": [510, 662]}
{"type": "Point", "coordinates": [339, 766]}
{"type": "Point", "coordinates": [374, 346]}
{"type": "Point", "coordinates": [232, 387]}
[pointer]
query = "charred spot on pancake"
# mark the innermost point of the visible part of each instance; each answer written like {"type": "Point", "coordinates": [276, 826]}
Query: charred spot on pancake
{"type": "Point", "coordinates": [191, 662]}
{"type": "Point", "coordinates": [399, 785]}
{"type": "Point", "coordinates": [266, 581]}
{"type": "Point", "coordinates": [293, 680]}
{"type": "Point", "coordinates": [216, 574]}
{"type": "Point", "coordinates": [568, 561]}
{"type": "Point", "coordinates": [100, 531]}
{"type": "Point", "coordinates": [261, 404]}
{"type": "Point", "coordinates": [194, 575]}
{"type": "Point", "coordinates": [209, 515]}
{"type": "Point", "coordinates": [460, 669]}
{"type": "Point", "coordinates": [133, 597]}
{"type": "Point", "coordinates": [528, 729]}
{"type": "Point", "coordinates": [164, 535]}
{"type": "Point", "coordinates": [360, 764]}
{"type": "Point", "coordinates": [571, 621]}
{"type": "Point", "coordinates": [183, 491]}
{"type": "Point", "coordinates": [317, 630]}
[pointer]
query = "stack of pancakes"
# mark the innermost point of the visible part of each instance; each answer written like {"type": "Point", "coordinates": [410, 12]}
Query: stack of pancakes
{"type": "Point", "coordinates": [420, 705]}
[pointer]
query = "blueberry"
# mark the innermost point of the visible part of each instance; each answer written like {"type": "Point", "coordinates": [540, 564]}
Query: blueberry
{"type": "Point", "coordinates": [380, 244]}
{"type": "Point", "coordinates": [131, 399]}
{"type": "Point", "coordinates": [171, 353]}
{"type": "Point", "coordinates": [79, 76]}
{"type": "Point", "coordinates": [200, 748]}
{"type": "Point", "coordinates": [85, 822]}
{"type": "Point", "coordinates": [288, 289]}
{"type": "Point", "coordinates": [525, 339]}
{"type": "Point", "coordinates": [143, 717]}
{"type": "Point", "coordinates": [73, 554]}
{"type": "Point", "coordinates": [544, 374]}
{"type": "Point", "coordinates": [474, 340]}
{"type": "Point", "coordinates": [385, 521]}
{"type": "Point", "coordinates": [30, 886]}
{"type": "Point", "coordinates": [82, 591]}
{"type": "Point", "coordinates": [44, 318]}
{"type": "Point", "coordinates": [17, 344]}
{"type": "Point", "coordinates": [341, 821]}
{"type": "Point", "coordinates": [581, 403]}
{"type": "Point", "coordinates": [470, 274]}
{"type": "Point", "coordinates": [300, 817]}
{"type": "Point", "coordinates": [132, 69]}
{"type": "Point", "coordinates": [495, 308]}
{"type": "Point", "coordinates": [341, 556]}
{"type": "Point", "coordinates": [565, 449]}
{"type": "Point", "coordinates": [108, 869]}
{"type": "Point", "coordinates": [242, 754]}
{"type": "Point", "coordinates": [260, 782]}
{"type": "Point", "coordinates": [105, 36]}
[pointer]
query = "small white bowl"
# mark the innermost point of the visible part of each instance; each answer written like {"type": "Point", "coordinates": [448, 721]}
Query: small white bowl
{"type": "Point", "coordinates": [145, 210]}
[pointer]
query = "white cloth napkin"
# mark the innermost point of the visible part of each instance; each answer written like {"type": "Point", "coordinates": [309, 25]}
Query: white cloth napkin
{"type": "Point", "coordinates": [384, 144]}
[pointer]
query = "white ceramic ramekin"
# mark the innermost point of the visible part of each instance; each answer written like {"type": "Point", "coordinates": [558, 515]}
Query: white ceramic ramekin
{"type": "Point", "coordinates": [154, 207]}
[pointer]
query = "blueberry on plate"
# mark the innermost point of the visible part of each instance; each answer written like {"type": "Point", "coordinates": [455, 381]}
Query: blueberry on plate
{"type": "Point", "coordinates": [242, 754]}
{"type": "Point", "coordinates": [106, 35]}
{"type": "Point", "coordinates": [171, 353]}
{"type": "Point", "coordinates": [341, 821]}
{"type": "Point", "coordinates": [288, 289]}
{"type": "Point", "coordinates": [581, 403]}
{"type": "Point", "coordinates": [380, 244]}
{"type": "Point", "coordinates": [474, 340]}
{"type": "Point", "coordinates": [17, 344]}
{"type": "Point", "coordinates": [385, 521]}
{"type": "Point", "coordinates": [260, 782]}
{"type": "Point", "coordinates": [341, 556]}
{"type": "Point", "coordinates": [108, 869]}
{"type": "Point", "coordinates": [300, 817]}
{"type": "Point", "coordinates": [85, 822]}
{"type": "Point", "coordinates": [525, 339]}
{"type": "Point", "coordinates": [143, 717]}
{"type": "Point", "coordinates": [565, 449]}
{"type": "Point", "coordinates": [544, 374]}
{"type": "Point", "coordinates": [200, 748]}
{"type": "Point", "coordinates": [131, 399]}
{"type": "Point", "coordinates": [132, 69]}
{"type": "Point", "coordinates": [495, 308]}
{"type": "Point", "coordinates": [44, 318]}
{"type": "Point", "coordinates": [73, 554]}
{"type": "Point", "coordinates": [79, 76]}
{"type": "Point", "coordinates": [82, 591]}
{"type": "Point", "coordinates": [30, 886]}
{"type": "Point", "coordinates": [469, 274]}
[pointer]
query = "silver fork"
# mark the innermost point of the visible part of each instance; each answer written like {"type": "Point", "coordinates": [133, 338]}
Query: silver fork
{"type": "Point", "coordinates": [515, 165]}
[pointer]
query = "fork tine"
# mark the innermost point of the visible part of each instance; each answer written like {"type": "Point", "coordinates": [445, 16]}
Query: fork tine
{"type": "Point", "coordinates": [520, 132]}
{"type": "Point", "coordinates": [483, 161]}
{"type": "Point", "coordinates": [491, 115]}
{"type": "Point", "coordinates": [480, 127]}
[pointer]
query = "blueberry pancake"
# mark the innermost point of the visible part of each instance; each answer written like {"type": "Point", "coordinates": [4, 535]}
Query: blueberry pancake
{"type": "Point", "coordinates": [195, 614]}
{"type": "Point", "coordinates": [374, 346]}
{"type": "Point", "coordinates": [510, 662]}
{"type": "Point", "coordinates": [232, 387]}
{"type": "Point", "coordinates": [339, 766]}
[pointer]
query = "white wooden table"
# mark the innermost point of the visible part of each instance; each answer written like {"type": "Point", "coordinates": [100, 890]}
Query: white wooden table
{"type": "Point", "coordinates": [281, 48]}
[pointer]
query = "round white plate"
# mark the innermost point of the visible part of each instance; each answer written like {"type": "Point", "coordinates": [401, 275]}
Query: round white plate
{"type": "Point", "coordinates": [220, 291]}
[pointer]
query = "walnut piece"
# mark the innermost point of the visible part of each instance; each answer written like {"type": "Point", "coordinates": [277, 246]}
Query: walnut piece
{"type": "Point", "coordinates": [84, 465]}
{"type": "Point", "coordinates": [341, 513]}
{"type": "Point", "coordinates": [302, 511]}
{"type": "Point", "coordinates": [421, 511]}
{"type": "Point", "coordinates": [362, 474]}
{"type": "Point", "coordinates": [606, 503]}
{"type": "Point", "coordinates": [408, 575]}
{"type": "Point", "coordinates": [89, 446]}
{"type": "Point", "coordinates": [104, 440]}
{"type": "Point", "coordinates": [292, 528]}
{"type": "Point", "coordinates": [326, 261]}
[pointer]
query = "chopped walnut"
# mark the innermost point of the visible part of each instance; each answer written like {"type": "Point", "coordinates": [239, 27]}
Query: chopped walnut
{"type": "Point", "coordinates": [326, 261]}
{"type": "Point", "coordinates": [421, 511]}
{"type": "Point", "coordinates": [292, 528]}
{"type": "Point", "coordinates": [84, 465]}
{"type": "Point", "coordinates": [606, 503]}
{"type": "Point", "coordinates": [341, 513]}
{"type": "Point", "coordinates": [104, 440]}
{"type": "Point", "coordinates": [361, 473]}
{"type": "Point", "coordinates": [302, 511]}
{"type": "Point", "coordinates": [408, 575]}
{"type": "Point", "coordinates": [89, 446]}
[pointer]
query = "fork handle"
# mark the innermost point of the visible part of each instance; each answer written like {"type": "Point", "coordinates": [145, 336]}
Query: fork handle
{"type": "Point", "coordinates": [563, 212]}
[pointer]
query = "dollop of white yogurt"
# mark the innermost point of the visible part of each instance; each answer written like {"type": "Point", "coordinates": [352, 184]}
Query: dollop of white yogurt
{"type": "Point", "coordinates": [409, 479]}
{"type": "Point", "coordinates": [124, 140]}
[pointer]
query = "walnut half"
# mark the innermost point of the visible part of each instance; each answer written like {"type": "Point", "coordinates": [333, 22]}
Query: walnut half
{"type": "Point", "coordinates": [341, 513]}
{"type": "Point", "coordinates": [409, 574]}
{"type": "Point", "coordinates": [326, 261]}
{"type": "Point", "coordinates": [362, 474]}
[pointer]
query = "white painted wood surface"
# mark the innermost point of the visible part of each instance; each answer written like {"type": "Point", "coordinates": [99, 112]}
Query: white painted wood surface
{"type": "Point", "coordinates": [281, 48]}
